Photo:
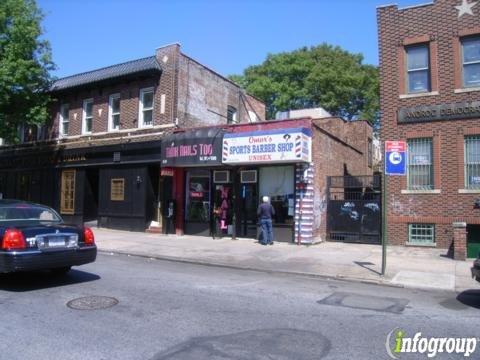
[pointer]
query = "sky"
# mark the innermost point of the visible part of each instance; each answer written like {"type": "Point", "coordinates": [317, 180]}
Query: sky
{"type": "Point", "coordinates": [226, 35]}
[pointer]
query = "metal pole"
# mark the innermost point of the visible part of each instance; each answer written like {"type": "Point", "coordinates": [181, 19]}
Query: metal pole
{"type": "Point", "coordinates": [384, 222]}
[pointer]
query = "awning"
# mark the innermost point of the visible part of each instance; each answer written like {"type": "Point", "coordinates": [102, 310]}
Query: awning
{"type": "Point", "coordinates": [202, 147]}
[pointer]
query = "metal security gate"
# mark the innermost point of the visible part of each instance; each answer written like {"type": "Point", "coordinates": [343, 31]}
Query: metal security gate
{"type": "Point", "coordinates": [354, 212]}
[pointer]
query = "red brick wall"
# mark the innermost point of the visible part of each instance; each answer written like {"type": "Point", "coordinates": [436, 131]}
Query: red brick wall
{"type": "Point", "coordinates": [340, 149]}
{"type": "Point", "coordinates": [439, 25]}
{"type": "Point", "coordinates": [204, 95]}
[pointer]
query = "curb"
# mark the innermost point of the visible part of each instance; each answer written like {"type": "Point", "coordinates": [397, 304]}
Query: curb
{"type": "Point", "coordinates": [379, 282]}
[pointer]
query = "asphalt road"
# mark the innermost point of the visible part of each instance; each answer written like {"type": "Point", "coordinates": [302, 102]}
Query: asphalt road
{"type": "Point", "coordinates": [169, 310]}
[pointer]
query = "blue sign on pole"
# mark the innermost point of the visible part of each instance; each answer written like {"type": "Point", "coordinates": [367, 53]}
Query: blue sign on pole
{"type": "Point", "coordinates": [395, 158]}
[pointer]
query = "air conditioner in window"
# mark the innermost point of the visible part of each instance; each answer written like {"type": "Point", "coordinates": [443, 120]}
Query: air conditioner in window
{"type": "Point", "coordinates": [221, 176]}
{"type": "Point", "coordinates": [248, 176]}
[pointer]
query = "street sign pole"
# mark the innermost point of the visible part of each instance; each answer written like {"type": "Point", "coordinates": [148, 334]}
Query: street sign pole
{"type": "Point", "coordinates": [395, 160]}
{"type": "Point", "coordinates": [384, 223]}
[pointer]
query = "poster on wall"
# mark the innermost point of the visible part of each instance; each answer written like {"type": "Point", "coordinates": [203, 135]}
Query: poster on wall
{"type": "Point", "coordinates": [269, 146]}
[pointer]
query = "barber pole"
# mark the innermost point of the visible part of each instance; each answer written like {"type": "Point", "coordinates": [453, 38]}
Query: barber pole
{"type": "Point", "coordinates": [298, 146]}
{"type": "Point", "coordinates": [225, 150]}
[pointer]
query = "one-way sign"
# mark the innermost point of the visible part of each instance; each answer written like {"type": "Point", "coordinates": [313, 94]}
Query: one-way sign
{"type": "Point", "coordinates": [395, 157]}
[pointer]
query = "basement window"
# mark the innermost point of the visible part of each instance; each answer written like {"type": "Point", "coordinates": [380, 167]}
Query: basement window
{"type": "Point", "coordinates": [421, 234]}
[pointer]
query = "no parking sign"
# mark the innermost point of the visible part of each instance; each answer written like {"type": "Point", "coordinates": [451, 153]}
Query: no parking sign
{"type": "Point", "coordinates": [395, 157]}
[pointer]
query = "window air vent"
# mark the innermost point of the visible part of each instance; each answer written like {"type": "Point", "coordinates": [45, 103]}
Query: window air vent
{"type": "Point", "coordinates": [221, 177]}
{"type": "Point", "coordinates": [248, 176]}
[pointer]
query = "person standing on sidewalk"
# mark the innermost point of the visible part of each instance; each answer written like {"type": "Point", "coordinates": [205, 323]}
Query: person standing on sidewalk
{"type": "Point", "coordinates": [265, 213]}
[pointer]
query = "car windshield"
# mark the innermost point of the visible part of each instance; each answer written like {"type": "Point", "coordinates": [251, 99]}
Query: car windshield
{"type": "Point", "coordinates": [27, 213]}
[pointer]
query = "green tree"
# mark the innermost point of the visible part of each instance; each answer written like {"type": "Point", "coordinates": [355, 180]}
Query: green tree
{"type": "Point", "coordinates": [25, 63]}
{"type": "Point", "coordinates": [323, 75]}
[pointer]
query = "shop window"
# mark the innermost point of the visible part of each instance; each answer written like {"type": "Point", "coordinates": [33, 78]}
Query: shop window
{"type": "Point", "coordinates": [471, 61]}
{"type": "Point", "coordinates": [114, 112]}
{"type": "Point", "coordinates": [146, 107]}
{"type": "Point", "coordinates": [420, 164]}
{"type": "Point", "coordinates": [64, 119]}
{"type": "Point", "coordinates": [87, 116]}
{"type": "Point", "coordinates": [231, 115]}
{"type": "Point", "coordinates": [472, 162]}
{"type": "Point", "coordinates": [198, 196]}
{"type": "Point", "coordinates": [117, 190]}
{"type": "Point", "coordinates": [278, 183]}
{"type": "Point", "coordinates": [67, 195]}
{"type": "Point", "coordinates": [223, 209]}
{"type": "Point", "coordinates": [421, 234]}
{"type": "Point", "coordinates": [418, 69]}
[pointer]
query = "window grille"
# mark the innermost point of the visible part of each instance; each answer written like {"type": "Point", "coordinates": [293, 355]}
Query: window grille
{"type": "Point", "coordinates": [420, 164]}
{"type": "Point", "coordinates": [117, 190]}
{"type": "Point", "coordinates": [67, 195]}
{"type": "Point", "coordinates": [472, 162]}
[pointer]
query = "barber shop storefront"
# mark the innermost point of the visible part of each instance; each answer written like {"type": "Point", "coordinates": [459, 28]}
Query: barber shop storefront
{"type": "Point", "coordinates": [220, 175]}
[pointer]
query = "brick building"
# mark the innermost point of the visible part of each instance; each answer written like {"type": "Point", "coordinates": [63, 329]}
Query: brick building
{"type": "Point", "coordinates": [288, 160]}
{"type": "Point", "coordinates": [99, 156]}
{"type": "Point", "coordinates": [430, 87]}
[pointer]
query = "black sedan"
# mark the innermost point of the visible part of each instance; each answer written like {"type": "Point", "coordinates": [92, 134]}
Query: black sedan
{"type": "Point", "coordinates": [34, 237]}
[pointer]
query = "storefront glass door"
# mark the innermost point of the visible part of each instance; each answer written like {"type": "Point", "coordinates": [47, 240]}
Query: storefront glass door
{"type": "Point", "coordinates": [248, 210]}
{"type": "Point", "coordinates": [197, 202]}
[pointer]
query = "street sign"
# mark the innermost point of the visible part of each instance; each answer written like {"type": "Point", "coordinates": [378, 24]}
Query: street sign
{"type": "Point", "coordinates": [395, 157]}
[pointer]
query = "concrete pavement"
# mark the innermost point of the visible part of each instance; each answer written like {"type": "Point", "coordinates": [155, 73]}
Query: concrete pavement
{"type": "Point", "coordinates": [407, 267]}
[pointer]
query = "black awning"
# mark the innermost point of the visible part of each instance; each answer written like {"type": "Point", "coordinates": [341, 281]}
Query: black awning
{"type": "Point", "coordinates": [201, 147]}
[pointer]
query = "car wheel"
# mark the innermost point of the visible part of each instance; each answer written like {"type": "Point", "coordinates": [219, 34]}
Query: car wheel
{"type": "Point", "coordinates": [61, 270]}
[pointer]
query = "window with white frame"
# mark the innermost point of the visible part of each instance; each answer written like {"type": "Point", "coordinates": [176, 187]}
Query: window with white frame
{"type": "Point", "coordinates": [421, 234]}
{"type": "Point", "coordinates": [114, 112]}
{"type": "Point", "coordinates": [231, 115]}
{"type": "Point", "coordinates": [472, 162]}
{"type": "Point", "coordinates": [146, 107]}
{"type": "Point", "coordinates": [471, 61]}
{"type": "Point", "coordinates": [420, 164]}
{"type": "Point", "coordinates": [64, 119]}
{"type": "Point", "coordinates": [418, 69]}
{"type": "Point", "coordinates": [87, 116]}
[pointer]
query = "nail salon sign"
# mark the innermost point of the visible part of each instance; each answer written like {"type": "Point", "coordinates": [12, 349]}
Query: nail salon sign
{"type": "Point", "coordinates": [268, 146]}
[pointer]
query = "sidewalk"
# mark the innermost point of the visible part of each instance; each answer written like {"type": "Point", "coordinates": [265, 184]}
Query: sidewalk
{"type": "Point", "coordinates": [408, 267]}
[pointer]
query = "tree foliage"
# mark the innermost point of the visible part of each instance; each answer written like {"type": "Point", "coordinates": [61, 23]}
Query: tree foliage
{"type": "Point", "coordinates": [25, 63]}
{"type": "Point", "coordinates": [323, 75]}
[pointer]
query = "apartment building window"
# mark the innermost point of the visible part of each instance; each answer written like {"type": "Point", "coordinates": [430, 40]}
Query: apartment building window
{"type": "Point", "coordinates": [472, 162]}
{"type": "Point", "coordinates": [87, 116]}
{"type": "Point", "coordinates": [146, 107]}
{"type": "Point", "coordinates": [418, 69]}
{"type": "Point", "coordinates": [231, 115]}
{"type": "Point", "coordinates": [67, 195]}
{"type": "Point", "coordinates": [64, 119]}
{"type": "Point", "coordinates": [420, 164]}
{"type": "Point", "coordinates": [114, 112]}
{"type": "Point", "coordinates": [471, 61]}
{"type": "Point", "coordinates": [421, 234]}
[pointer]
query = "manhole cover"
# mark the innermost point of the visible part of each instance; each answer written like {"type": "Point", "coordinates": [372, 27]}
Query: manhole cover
{"type": "Point", "coordinates": [92, 303]}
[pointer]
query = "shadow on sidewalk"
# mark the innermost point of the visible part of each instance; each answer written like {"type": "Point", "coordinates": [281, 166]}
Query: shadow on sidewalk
{"type": "Point", "coordinates": [365, 265]}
